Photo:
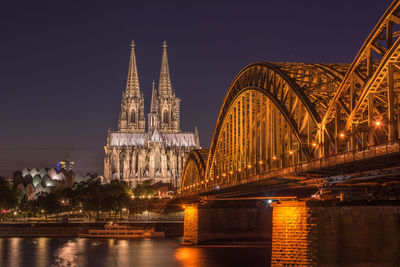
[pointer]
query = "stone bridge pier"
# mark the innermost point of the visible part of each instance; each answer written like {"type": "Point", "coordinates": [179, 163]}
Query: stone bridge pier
{"type": "Point", "coordinates": [305, 233]}
{"type": "Point", "coordinates": [227, 221]}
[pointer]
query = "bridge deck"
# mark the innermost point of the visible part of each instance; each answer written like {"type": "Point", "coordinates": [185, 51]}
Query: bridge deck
{"type": "Point", "coordinates": [352, 168]}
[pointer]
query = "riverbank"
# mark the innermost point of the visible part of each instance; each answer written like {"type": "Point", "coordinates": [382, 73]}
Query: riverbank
{"type": "Point", "coordinates": [43, 229]}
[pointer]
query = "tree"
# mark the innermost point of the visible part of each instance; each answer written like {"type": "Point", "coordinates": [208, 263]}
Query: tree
{"type": "Point", "coordinates": [89, 195]}
{"type": "Point", "coordinates": [49, 203]}
{"type": "Point", "coordinates": [117, 195]}
{"type": "Point", "coordinates": [145, 189]}
{"type": "Point", "coordinates": [8, 195]}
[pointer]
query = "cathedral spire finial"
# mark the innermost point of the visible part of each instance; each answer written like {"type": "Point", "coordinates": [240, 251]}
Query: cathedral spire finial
{"type": "Point", "coordinates": [153, 107]}
{"type": "Point", "coordinates": [132, 83]}
{"type": "Point", "coordinates": [164, 86]}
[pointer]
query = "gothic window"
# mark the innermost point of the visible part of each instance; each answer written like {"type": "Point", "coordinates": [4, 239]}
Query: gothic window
{"type": "Point", "coordinates": [114, 163]}
{"type": "Point", "coordinates": [133, 116]}
{"type": "Point", "coordinates": [157, 161]}
{"type": "Point", "coordinates": [165, 116]}
{"type": "Point", "coordinates": [121, 165]}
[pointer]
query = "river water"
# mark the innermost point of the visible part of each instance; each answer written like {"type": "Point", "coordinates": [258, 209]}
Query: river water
{"type": "Point", "coordinates": [16, 252]}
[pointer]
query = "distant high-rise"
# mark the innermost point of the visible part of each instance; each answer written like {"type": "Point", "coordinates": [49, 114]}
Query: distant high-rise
{"type": "Point", "coordinates": [134, 155]}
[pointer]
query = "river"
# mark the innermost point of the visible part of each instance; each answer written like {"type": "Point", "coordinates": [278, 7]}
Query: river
{"type": "Point", "coordinates": [41, 252]}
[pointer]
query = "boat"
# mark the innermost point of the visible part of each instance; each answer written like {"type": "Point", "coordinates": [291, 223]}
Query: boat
{"type": "Point", "coordinates": [123, 232]}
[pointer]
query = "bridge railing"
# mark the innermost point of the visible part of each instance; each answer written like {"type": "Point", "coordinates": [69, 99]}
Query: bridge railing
{"type": "Point", "coordinates": [349, 156]}
{"type": "Point", "coordinates": [304, 167]}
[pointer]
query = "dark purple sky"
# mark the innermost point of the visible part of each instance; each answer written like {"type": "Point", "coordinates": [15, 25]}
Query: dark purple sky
{"type": "Point", "coordinates": [63, 64]}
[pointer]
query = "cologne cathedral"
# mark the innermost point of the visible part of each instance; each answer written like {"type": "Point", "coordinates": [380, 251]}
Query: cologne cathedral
{"type": "Point", "coordinates": [133, 154]}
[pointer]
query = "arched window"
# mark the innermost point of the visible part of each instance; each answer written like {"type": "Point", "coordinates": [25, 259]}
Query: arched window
{"type": "Point", "coordinates": [133, 116]}
{"type": "Point", "coordinates": [114, 163]}
{"type": "Point", "coordinates": [165, 116]}
{"type": "Point", "coordinates": [157, 161]}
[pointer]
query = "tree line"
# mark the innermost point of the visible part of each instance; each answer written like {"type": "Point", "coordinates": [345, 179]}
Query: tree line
{"type": "Point", "coordinates": [89, 198]}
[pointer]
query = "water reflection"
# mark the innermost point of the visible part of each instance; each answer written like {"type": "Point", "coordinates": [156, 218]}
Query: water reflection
{"type": "Point", "coordinates": [42, 252]}
{"type": "Point", "coordinates": [67, 255]}
{"type": "Point", "coordinates": [189, 256]}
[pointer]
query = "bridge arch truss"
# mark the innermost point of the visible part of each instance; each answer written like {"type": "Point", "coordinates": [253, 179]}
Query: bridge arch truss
{"type": "Point", "coordinates": [277, 115]}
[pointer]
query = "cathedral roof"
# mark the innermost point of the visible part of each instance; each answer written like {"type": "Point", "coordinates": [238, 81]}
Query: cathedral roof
{"type": "Point", "coordinates": [140, 139]}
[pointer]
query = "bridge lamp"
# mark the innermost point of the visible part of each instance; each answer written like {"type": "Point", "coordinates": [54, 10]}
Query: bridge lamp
{"type": "Point", "coordinates": [249, 166]}
{"type": "Point", "coordinates": [378, 123]}
{"type": "Point", "coordinates": [223, 175]}
{"type": "Point", "coordinates": [260, 162]}
{"type": "Point", "coordinates": [269, 201]}
{"type": "Point", "coordinates": [274, 157]}
{"type": "Point", "coordinates": [231, 172]}
{"type": "Point", "coordinates": [291, 152]}
{"type": "Point", "coordinates": [341, 135]}
{"type": "Point", "coordinates": [239, 170]}
{"type": "Point", "coordinates": [314, 144]}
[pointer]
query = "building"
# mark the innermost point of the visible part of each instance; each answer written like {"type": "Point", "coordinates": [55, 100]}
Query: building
{"type": "Point", "coordinates": [134, 154]}
{"type": "Point", "coordinates": [65, 164]}
{"type": "Point", "coordinates": [35, 181]}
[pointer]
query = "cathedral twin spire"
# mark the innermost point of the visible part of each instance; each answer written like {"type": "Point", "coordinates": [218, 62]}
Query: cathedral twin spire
{"type": "Point", "coordinates": [132, 82]}
{"type": "Point", "coordinates": [163, 116]}
{"type": "Point", "coordinates": [164, 85]}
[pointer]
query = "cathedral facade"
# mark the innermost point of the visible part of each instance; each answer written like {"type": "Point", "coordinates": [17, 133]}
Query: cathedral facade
{"type": "Point", "coordinates": [133, 154]}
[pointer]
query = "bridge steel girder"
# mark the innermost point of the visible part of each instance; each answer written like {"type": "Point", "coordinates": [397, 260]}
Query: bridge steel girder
{"type": "Point", "coordinates": [324, 109]}
{"type": "Point", "coordinates": [364, 95]}
{"type": "Point", "coordinates": [194, 168]}
{"type": "Point", "coordinates": [285, 87]}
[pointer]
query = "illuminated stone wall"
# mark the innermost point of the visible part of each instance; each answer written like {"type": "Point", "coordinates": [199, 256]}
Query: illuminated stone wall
{"type": "Point", "coordinates": [191, 224]}
{"type": "Point", "coordinates": [293, 225]}
{"type": "Point", "coordinates": [316, 233]}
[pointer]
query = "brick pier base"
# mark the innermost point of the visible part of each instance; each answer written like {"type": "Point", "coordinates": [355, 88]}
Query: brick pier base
{"type": "Point", "coordinates": [313, 233]}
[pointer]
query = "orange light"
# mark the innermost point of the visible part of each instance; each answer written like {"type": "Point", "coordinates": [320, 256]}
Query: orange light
{"type": "Point", "coordinates": [223, 175]}
{"type": "Point", "coordinates": [239, 170]}
{"type": "Point", "coordinates": [290, 152]}
{"type": "Point", "coordinates": [274, 157]}
{"type": "Point", "coordinates": [341, 135]}
{"type": "Point", "coordinates": [260, 162]}
{"type": "Point", "coordinates": [231, 172]}
{"type": "Point", "coordinates": [249, 166]}
{"type": "Point", "coordinates": [377, 123]}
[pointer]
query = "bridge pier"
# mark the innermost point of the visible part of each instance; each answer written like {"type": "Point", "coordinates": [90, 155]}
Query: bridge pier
{"type": "Point", "coordinates": [315, 233]}
{"type": "Point", "coordinates": [227, 222]}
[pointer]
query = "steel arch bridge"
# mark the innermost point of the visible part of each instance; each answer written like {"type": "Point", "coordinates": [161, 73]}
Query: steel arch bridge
{"type": "Point", "coordinates": [284, 117]}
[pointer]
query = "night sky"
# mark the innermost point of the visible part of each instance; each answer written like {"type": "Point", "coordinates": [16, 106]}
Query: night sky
{"type": "Point", "coordinates": [64, 64]}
